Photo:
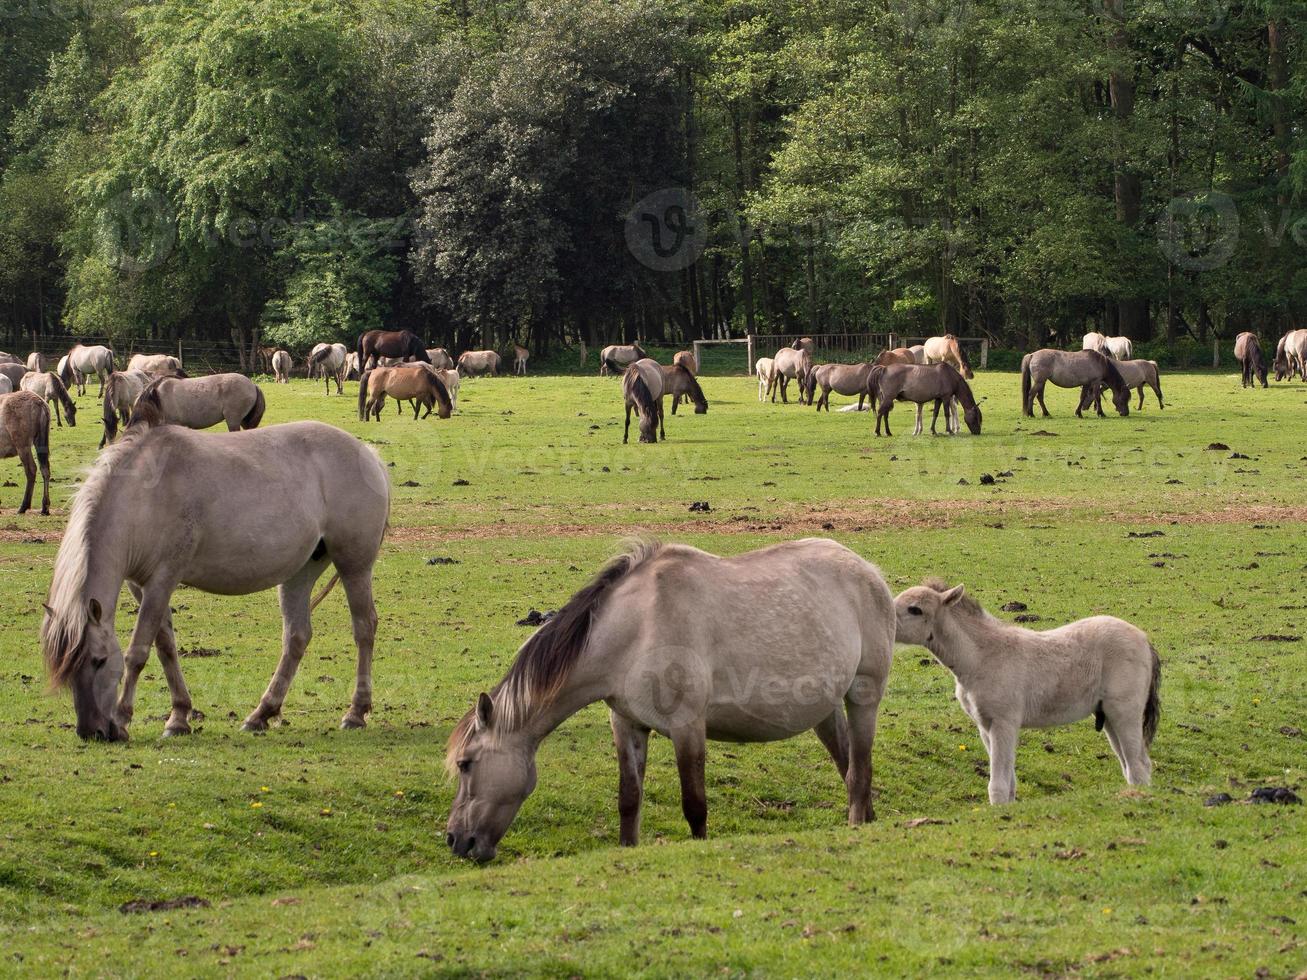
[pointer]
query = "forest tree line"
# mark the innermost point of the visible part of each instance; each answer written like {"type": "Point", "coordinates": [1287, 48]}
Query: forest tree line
{"type": "Point", "coordinates": [482, 171]}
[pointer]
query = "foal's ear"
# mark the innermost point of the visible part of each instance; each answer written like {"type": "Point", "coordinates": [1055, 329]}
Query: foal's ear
{"type": "Point", "coordinates": [952, 595]}
{"type": "Point", "coordinates": [485, 710]}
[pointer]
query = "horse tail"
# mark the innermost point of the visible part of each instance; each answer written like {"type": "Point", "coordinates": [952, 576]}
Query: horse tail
{"type": "Point", "coordinates": [612, 366]}
{"type": "Point", "coordinates": [1153, 706]}
{"type": "Point", "coordinates": [325, 592]}
{"type": "Point", "coordinates": [255, 415]}
{"type": "Point", "coordinates": [41, 440]}
{"type": "Point", "coordinates": [1025, 386]}
{"type": "Point", "coordinates": [363, 393]}
{"type": "Point", "coordinates": [637, 391]}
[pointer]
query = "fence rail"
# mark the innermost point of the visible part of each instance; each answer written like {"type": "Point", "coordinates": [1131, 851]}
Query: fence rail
{"type": "Point", "coordinates": [206, 356]}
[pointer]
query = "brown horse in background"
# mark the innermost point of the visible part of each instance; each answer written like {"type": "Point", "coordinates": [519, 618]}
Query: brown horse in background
{"type": "Point", "coordinates": [403, 344]}
{"type": "Point", "coordinates": [642, 389]}
{"type": "Point", "coordinates": [899, 355]}
{"type": "Point", "coordinates": [680, 382]}
{"type": "Point", "coordinates": [24, 426]}
{"type": "Point", "coordinates": [414, 382]}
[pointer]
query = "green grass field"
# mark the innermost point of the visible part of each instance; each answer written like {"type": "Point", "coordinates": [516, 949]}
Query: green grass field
{"type": "Point", "coordinates": [321, 852]}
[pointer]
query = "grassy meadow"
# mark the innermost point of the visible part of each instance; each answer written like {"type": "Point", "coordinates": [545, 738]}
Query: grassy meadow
{"type": "Point", "coordinates": [318, 852]}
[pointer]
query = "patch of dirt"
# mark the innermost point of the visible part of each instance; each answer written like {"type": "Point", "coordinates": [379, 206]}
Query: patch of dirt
{"type": "Point", "coordinates": [163, 905]}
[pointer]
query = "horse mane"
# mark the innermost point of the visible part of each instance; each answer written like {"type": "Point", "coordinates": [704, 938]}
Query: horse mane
{"type": "Point", "coordinates": [692, 383]}
{"type": "Point", "coordinates": [1114, 379]}
{"type": "Point", "coordinates": [633, 385]}
{"type": "Point", "coordinates": [545, 661]}
{"type": "Point", "coordinates": [61, 392]}
{"type": "Point", "coordinates": [147, 411]}
{"type": "Point", "coordinates": [966, 604]}
{"type": "Point", "coordinates": [67, 613]}
{"type": "Point", "coordinates": [438, 386]}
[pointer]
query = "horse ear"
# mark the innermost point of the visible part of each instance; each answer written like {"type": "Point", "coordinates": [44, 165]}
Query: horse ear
{"type": "Point", "coordinates": [93, 608]}
{"type": "Point", "coordinates": [485, 710]}
{"type": "Point", "coordinates": [952, 595]}
{"type": "Point", "coordinates": [48, 610]}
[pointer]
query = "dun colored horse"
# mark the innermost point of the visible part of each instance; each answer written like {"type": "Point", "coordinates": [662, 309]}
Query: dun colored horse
{"type": "Point", "coordinates": [791, 363]}
{"type": "Point", "coordinates": [844, 379]}
{"type": "Point", "coordinates": [615, 358]}
{"type": "Point", "coordinates": [1291, 356]}
{"type": "Point", "coordinates": [921, 383]}
{"type": "Point", "coordinates": [440, 359]}
{"type": "Point", "coordinates": [680, 382]}
{"type": "Point", "coordinates": [520, 355]}
{"type": "Point", "coordinates": [403, 344]}
{"type": "Point", "coordinates": [24, 427]}
{"type": "Point", "coordinates": [416, 382]}
{"type": "Point", "coordinates": [1010, 678]}
{"type": "Point", "coordinates": [159, 365]}
{"type": "Point", "coordinates": [1071, 369]}
{"type": "Point", "coordinates": [474, 362]}
{"type": "Point", "coordinates": [38, 362]}
{"type": "Point", "coordinates": [642, 389]}
{"type": "Point", "coordinates": [49, 387]}
{"type": "Point", "coordinates": [120, 394]}
{"type": "Point", "coordinates": [1248, 352]}
{"type": "Point", "coordinates": [230, 514]}
{"type": "Point", "coordinates": [899, 355]}
{"type": "Point", "coordinates": [947, 350]}
{"type": "Point", "coordinates": [281, 367]}
{"type": "Point", "coordinates": [765, 369]}
{"type": "Point", "coordinates": [1137, 374]}
{"type": "Point", "coordinates": [758, 647]}
{"type": "Point", "coordinates": [198, 403]}
{"type": "Point", "coordinates": [687, 360]}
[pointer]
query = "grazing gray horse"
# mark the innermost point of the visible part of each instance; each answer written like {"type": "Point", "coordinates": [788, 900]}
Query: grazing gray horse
{"type": "Point", "coordinates": [159, 365]}
{"type": "Point", "coordinates": [844, 379]}
{"type": "Point", "coordinates": [198, 403]}
{"type": "Point", "coordinates": [227, 514]}
{"type": "Point", "coordinates": [939, 383]}
{"type": "Point", "coordinates": [758, 647]}
{"type": "Point", "coordinates": [679, 382]}
{"type": "Point", "coordinates": [1071, 369]}
{"type": "Point", "coordinates": [642, 389]}
{"type": "Point", "coordinates": [1248, 352]}
{"type": "Point", "coordinates": [1137, 374]}
{"type": "Point", "coordinates": [791, 364]}
{"type": "Point", "coordinates": [48, 386]}
{"type": "Point", "coordinates": [474, 362]}
{"type": "Point", "coordinates": [330, 360]}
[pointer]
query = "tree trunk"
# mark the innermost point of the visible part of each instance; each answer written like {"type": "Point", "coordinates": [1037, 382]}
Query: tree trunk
{"type": "Point", "coordinates": [745, 233]}
{"type": "Point", "coordinates": [1126, 185]}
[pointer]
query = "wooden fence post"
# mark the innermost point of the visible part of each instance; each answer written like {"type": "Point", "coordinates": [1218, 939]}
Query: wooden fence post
{"type": "Point", "coordinates": [749, 355]}
{"type": "Point", "coordinates": [1216, 353]}
{"type": "Point", "coordinates": [984, 354]}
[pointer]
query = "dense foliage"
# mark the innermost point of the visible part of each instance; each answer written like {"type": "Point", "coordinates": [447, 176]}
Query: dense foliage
{"type": "Point", "coordinates": [219, 170]}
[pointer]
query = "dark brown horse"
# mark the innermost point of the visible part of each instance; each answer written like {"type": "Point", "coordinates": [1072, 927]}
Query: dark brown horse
{"type": "Point", "coordinates": [1248, 352]}
{"type": "Point", "coordinates": [679, 382]}
{"type": "Point", "coordinates": [921, 383]}
{"type": "Point", "coordinates": [403, 344]}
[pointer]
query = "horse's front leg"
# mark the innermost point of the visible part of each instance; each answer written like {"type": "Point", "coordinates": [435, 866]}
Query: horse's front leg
{"type": "Point", "coordinates": [296, 631]}
{"type": "Point", "coordinates": [632, 742]}
{"type": "Point", "coordinates": [626, 435]}
{"type": "Point", "coordinates": [165, 644]}
{"type": "Point", "coordinates": [1002, 761]}
{"type": "Point", "coordinates": [149, 621]}
{"type": "Point", "coordinates": [690, 744]}
{"type": "Point", "coordinates": [934, 419]}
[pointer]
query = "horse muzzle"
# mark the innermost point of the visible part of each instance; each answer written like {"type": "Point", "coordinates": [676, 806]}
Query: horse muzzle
{"type": "Point", "coordinates": [469, 847]}
{"type": "Point", "coordinates": [102, 730]}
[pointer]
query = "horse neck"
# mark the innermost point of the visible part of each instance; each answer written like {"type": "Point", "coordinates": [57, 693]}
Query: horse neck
{"type": "Point", "coordinates": [962, 391]}
{"type": "Point", "coordinates": [955, 644]}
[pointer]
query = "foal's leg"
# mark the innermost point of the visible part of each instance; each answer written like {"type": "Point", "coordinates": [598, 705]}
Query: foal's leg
{"type": "Point", "coordinates": [149, 621]}
{"type": "Point", "coordinates": [1002, 761]}
{"type": "Point", "coordinates": [296, 631]}
{"type": "Point", "coordinates": [632, 743]}
{"type": "Point", "coordinates": [690, 744]}
{"type": "Point", "coordinates": [363, 615]}
{"type": "Point", "coordinates": [1124, 725]}
{"type": "Point", "coordinates": [29, 470]}
{"type": "Point", "coordinates": [834, 734]}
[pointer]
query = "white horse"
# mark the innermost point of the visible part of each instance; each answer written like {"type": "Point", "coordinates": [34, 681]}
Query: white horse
{"type": "Point", "coordinates": [1009, 678]}
{"type": "Point", "coordinates": [332, 360]}
{"type": "Point", "coordinates": [945, 350]}
{"type": "Point", "coordinates": [159, 365]}
{"type": "Point", "coordinates": [226, 514]}
{"type": "Point", "coordinates": [440, 358]}
{"type": "Point", "coordinates": [1119, 347]}
{"type": "Point", "coordinates": [766, 371]}
{"type": "Point", "coordinates": [70, 375]}
{"type": "Point", "coordinates": [83, 362]}
{"type": "Point", "coordinates": [1093, 341]}
{"type": "Point", "coordinates": [38, 362]}
{"type": "Point", "coordinates": [48, 386]}
{"type": "Point", "coordinates": [281, 365]}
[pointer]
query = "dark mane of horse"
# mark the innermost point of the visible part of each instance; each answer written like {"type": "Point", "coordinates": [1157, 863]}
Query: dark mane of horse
{"type": "Point", "coordinates": [438, 386]}
{"type": "Point", "coordinates": [61, 392]}
{"type": "Point", "coordinates": [633, 385]}
{"type": "Point", "coordinates": [692, 384]}
{"type": "Point", "coordinates": [545, 661]}
{"type": "Point", "coordinates": [147, 412]}
{"type": "Point", "coordinates": [966, 604]}
{"type": "Point", "coordinates": [962, 354]}
{"type": "Point", "coordinates": [1110, 372]}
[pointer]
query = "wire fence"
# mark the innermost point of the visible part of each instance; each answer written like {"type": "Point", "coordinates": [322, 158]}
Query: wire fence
{"type": "Point", "coordinates": [199, 357]}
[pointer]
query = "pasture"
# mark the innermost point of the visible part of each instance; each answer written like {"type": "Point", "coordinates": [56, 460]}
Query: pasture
{"type": "Point", "coordinates": [316, 851]}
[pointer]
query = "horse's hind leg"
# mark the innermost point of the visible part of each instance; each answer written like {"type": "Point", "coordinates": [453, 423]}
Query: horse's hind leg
{"type": "Point", "coordinates": [363, 615]}
{"type": "Point", "coordinates": [834, 734]}
{"type": "Point", "coordinates": [1125, 732]}
{"type": "Point", "coordinates": [29, 471]}
{"type": "Point", "coordinates": [691, 751]}
{"type": "Point", "coordinates": [862, 736]}
{"type": "Point", "coordinates": [632, 742]}
{"type": "Point", "coordinates": [1039, 394]}
{"type": "Point", "coordinates": [626, 435]}
{"type": "Point", "coordinates": [296, 631]}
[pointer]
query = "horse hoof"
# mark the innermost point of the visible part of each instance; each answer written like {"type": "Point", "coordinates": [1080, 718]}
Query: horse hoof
{"type": "Point", "coordinates": [173, 732]}
{"type": "Point", "coordinates": [349, 723]}
{"type": "Point", "coordinates": [254, 725]}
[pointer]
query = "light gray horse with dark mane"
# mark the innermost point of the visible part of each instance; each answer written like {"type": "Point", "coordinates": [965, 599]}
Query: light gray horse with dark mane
{"type": "Point", "coordinates": [198, 403]}
{"type": "Point", "coordinates": [615, 358]}
{"type": "Point", "coordinates": [1071, 369]}
{"type": "Point", "coordinates": [642, 390]}
{"type": "Point", "coordinates": [230, 514]}
{"type": "Point", "coordinates": [844, 379]}
{"type": "Point", "coordinates": [758, 647]}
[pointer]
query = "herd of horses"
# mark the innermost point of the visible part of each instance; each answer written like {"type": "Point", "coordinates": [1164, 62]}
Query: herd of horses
{"type": "Point", "coordinates": [663, 634]}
